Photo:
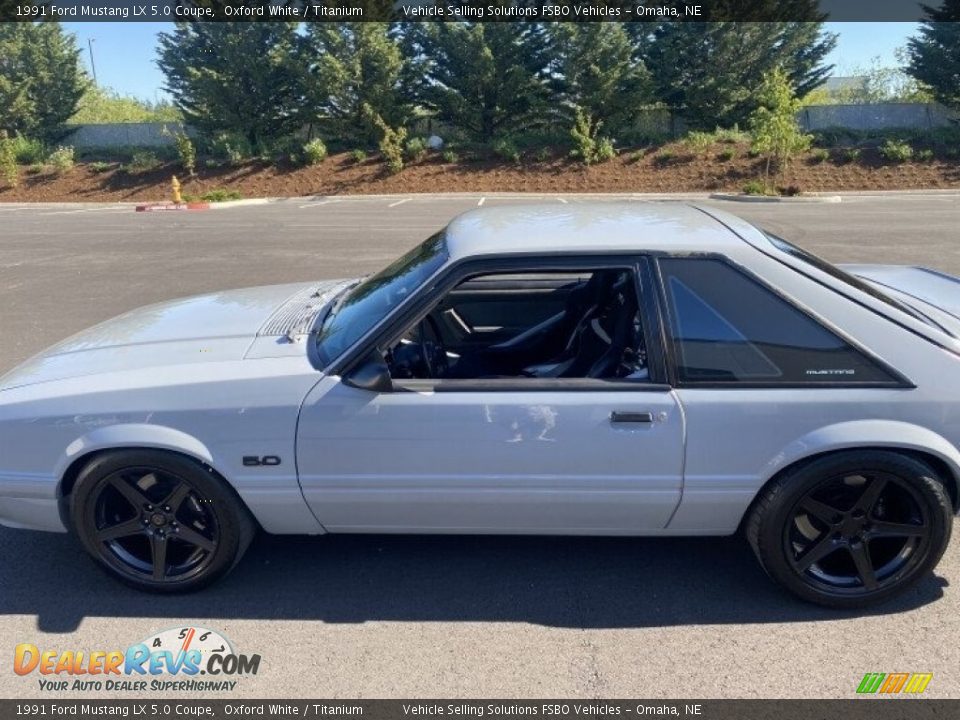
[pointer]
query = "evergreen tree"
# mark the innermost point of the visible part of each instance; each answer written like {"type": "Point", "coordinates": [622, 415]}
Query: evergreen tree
{"type": "Point", "coordinates": [350, 65]}
{"type": "Point", "coordinates": [234, 77]}
{"type": "Point", "coordinates": [710, 72]}
{"type": "Point", "coordinates": [41, 79]}
{"type": "Point", "coordinates": [599, 74]}
{"type": "Point", "coordinates": [934, 55]}
{"type": "Point", "coordinates": [485, 79]}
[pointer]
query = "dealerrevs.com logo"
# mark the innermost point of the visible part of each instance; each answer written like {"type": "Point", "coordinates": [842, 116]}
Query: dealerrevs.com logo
{"type": "Point", "coordinates": [894, 683]}
{"type": "Point", "coordinates": [191, 659]}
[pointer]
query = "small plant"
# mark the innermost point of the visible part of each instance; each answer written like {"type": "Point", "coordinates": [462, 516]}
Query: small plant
{"type": "Point", "coordinates": [143, 161]}
{"type": "Point", "coordinates": [99, 166]}
{"type": "Point", "coordinates": [755, 187]}
{"type": "Point", "coordinates": [314, 152]}
{"type": "Point", "coordinates": [450, 156]}
{"type": "Point", "coordinates": [605, 150]}
{"type": "Point", "coordinates": [221, 195]}
{"type": "Point", "coordinates": [186, 151]}
{"type": "Point", "coordinates": [506, 149]}
{"type": "Point", "coordinates": [896, 151]}
{"type": "Point", "coordinates": [819, 155]}
{"type": "Point", "coordinates": [664, 158]}
{"type": "Point", "coordinates": [726, 155]}
{"type": "Point", "coordinates": [391, 140]}
{"type": "Point", "coordinates": [27, 151]}
{"type": "Point", "coordinates": [698, 142]}
{"type": "Point", "coordinates": [416, 149]}
{"type": "Point", "coordinates": [776, 133]}
{"type": "Point", "coordinates": [850, 155]}
{"type": "Point", "coordinates": [925, 155]}
{"type": "Point", "coordinates": [358, 156]}
{"type": "Point", "coordinates": [35, 169]}
{"type": "Point", "coordinates": [731, 136]}
{"type": "Point", "coordinates": [61, 159]}
{"type": "Point", "coordinates": [542, 155]}
{"type": "Point", "coordinates": [8, 161]}
{"type": "Point", "coordinates": [232, 148]}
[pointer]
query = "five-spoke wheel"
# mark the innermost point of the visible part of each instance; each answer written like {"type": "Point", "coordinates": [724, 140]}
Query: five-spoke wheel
{"type": "Point", "coordinates": [158, 520]}
{"type": "Point", "coordinates": [853, 528]}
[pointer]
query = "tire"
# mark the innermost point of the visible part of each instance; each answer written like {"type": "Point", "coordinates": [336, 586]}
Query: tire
{"type": "Point", "coordinates": [851, 529]}
{"type": "Point", "coordinates": [159, 521]}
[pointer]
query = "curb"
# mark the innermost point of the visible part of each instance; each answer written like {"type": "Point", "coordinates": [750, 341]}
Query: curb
{"type": "Point", "coordinates": [173, 206]}
{"type": "Point", "coordinates": [736, 197]}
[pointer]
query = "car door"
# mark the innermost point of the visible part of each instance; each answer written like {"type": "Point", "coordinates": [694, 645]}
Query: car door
{"type": "Point", "coordinates": [503, 455]}
{"type": "Point", "coordinates": [501, 459]}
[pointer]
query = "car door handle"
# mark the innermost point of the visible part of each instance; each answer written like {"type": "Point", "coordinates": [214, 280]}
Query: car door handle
{"type": "Point", "coordinates": [619, 416]}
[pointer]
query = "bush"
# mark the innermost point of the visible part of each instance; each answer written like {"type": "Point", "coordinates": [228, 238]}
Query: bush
{"type": "Point", "coordinates": [449, 156]}
{"type": "Point", "coordinates": [506, 149]}
{"type": "Point", "coordinates": [542, 155]}
{"type": "Point", "coordinates": [221, 195]}
{"type": "Point", "coordinates": [726, 155]}
{"type": "Point", "coordinates": [314, 152]}
{"type": "Point", "coordinates": [605, 150]}
{"type": "Point", "coordinates": [61, 159]}
{"type": "Point", "coordinates": [850, 155]}
{"type": "Point", "coordinates": [358, 156]}
{"type": "Point", "coordinates": [143, 161]}
{"type": "Point", "coordinates": [99, 166]}
{"type": "Point", "coordinates": [819, 155]}
{"type": "Point", "coordinates": [232, 148]}
{"type": "Point", "coordinates": [755, 187]}
{"type": "Point", "coordinates": [186, 152]}
{"type": "Point", "coordinates": [27, 151]}
{"type": "Point", "coordinates": [731, 136]}
{"type": "Point", "coordinates": [664, 158]}
{"type": "Point", "coordinates": [925, 155]}
{"type": "Point", "coordinates": [416, 149]}
{"type": "Point", "coordinates": [698, 142]}
{"type": "Point", "coordinates": [8, 161]}
{"type": "Point", "coordinates": [896, 151]}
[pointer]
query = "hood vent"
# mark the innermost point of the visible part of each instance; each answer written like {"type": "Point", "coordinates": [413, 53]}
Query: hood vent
{"type": "Point", "coordinates": [297, 313]}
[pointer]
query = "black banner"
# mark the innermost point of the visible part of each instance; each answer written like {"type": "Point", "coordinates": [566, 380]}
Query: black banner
{"type": "Point", "coordinates": [150, 709]}
{"type": "Point", "coordinates": [453, 10]}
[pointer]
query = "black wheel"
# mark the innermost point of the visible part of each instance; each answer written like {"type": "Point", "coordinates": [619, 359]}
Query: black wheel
{"type": "Point", "coordinates": [852, 529]}
{"type": "Point", "coordinates": [159, 521]}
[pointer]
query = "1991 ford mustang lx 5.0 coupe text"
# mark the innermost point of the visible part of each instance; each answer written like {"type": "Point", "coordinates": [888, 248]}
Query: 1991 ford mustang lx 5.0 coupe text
{"type": "Point", "coordinates": [596, 369]}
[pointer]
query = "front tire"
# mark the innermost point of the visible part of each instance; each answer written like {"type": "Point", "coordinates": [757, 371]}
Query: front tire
{"type": "Point", "coordinates": [852, 529]}
{"type": "Point", "coordinates": [158, 521]}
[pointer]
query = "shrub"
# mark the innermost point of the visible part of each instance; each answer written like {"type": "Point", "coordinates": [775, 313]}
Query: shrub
{"type": "Point", "coordinates": [896, 151]}
{"type": "Point", "coordinates": [819, 155]}
{"type": "Point", "coordinates": [221, 195]}
{"type": "Point", "coordinates": [776, 132]}
{"type": "Point", "coordinates": [416, 149]}
{"type": "Point", "coordinates": [506, 149]}
{"type": "Point", "coordinates": [664, 158]}
{"type": "Point", "coordinates": [99, 166]}
{"type": "Point", "coordinates": [726, 155]}
{"type": "Point", "coordinates": [542, 155]}
{"type": "Point", "coordinates": [61, 159]}
{"type": "Point", "coordinates": [850, 155]}
{"type": "Point", "coordinates": [358, 156]}
{"type": "Point", "coordinates": [232, 148]}
{"type": "Point", "coordinates": [755, 187]}
{"type": "Point", "coordinates": [925, 155]}
{"type": "Point", "coordinates": [212, 163]}
{"type": "Point", "coordinates": [143, 161]}
{"type": "Point", "coordinates": [698, 142]}
{"type": "Point", "coordinates": [8, 161]}
{"type": "Point", "coordinates": [186, 151]}
{"type": "Point", "coordinates": [731, 136]}
{"type": "Point", "coordinates": [27, 151]}
{"type": "Point", "coordinates": [605, 150]}
{"type": "Point", "coordinates": [449, 156]}
{"type": "Point", "coordinates": [314, 152]}
{"type": "Point", "coordinates": [35, 169]}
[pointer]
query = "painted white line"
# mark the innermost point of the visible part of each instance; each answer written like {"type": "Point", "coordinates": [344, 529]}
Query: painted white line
{"type": "Point", "coordinates": [482, 201]}
{"type": "Point", "coordinates": [85, 210]}
{"type": "Point", "coordinates": [328, 201]}
{"type": "Point", "coordinates": [399, 202]}
{"type": "Point", "coordinates": [562, 200]}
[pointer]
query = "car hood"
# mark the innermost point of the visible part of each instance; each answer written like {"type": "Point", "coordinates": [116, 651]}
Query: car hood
{"type": "Point", "coordinates": [205, 328]}
{"type": "Point", "coordinates": [933, 294]}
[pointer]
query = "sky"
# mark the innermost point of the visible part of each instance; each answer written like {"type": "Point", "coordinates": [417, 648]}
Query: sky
{"type": "Point", "coordinates": [125, 53]}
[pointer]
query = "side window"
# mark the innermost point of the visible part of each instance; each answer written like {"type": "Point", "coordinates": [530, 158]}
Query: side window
{"type": "Point", "coordinates": [726, 327]}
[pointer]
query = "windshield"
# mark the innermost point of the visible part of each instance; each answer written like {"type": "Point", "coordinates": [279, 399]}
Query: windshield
{"type": "Point", "coordinates": [358, 310]}
{"type": "Point", "coordinates": [837, 273]}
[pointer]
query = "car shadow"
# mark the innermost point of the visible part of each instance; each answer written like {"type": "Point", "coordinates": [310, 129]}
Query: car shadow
{"type": "Point", "coordinates": [552, 581]}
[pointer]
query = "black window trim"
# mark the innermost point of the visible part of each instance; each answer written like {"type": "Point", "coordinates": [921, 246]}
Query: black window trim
{"type": "Point", "coordinates": [897, 378]}
{"type": "Point", "coordinates": [451, 275]}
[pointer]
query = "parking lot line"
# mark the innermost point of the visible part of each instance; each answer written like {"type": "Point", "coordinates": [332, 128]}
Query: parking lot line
{"type": "Point", "coordinates": [399, 202]}
{"type": "Point", "coordinates": [482, 201]}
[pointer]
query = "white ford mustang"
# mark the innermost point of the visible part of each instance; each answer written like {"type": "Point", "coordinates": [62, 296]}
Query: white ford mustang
{"type": "Point", "coordinates": [607, 369]}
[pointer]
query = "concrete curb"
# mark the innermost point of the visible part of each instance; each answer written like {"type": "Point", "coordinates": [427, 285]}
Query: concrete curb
{"type": "Point", "coordinates": [735, 197]}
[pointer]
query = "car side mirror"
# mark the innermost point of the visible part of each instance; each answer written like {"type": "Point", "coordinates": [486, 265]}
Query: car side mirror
{"type": "Point", "coordinates": [371, 374]}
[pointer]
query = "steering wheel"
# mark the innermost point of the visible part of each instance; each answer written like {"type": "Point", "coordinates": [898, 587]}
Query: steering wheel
{"type": "Point", "coordinates": [432, 351]}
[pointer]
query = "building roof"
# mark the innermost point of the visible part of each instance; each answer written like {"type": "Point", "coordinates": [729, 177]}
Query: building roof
{"type": "Point", "coordinates": [591, 227]}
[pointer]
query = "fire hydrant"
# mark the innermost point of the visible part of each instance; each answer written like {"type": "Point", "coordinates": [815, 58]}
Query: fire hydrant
{"type": "Point", "coordinates": [175, 186]}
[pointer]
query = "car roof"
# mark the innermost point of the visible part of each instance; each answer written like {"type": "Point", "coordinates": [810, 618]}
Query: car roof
{"type": "Point", "coordinates": [592, 227]}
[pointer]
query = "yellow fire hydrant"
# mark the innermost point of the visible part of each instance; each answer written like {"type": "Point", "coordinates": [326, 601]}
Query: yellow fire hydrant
{"type": "Point", "coordinates": [175, 186]}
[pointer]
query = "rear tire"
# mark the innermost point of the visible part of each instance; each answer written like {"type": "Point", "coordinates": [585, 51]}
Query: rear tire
{"type": "Point", "coordinates": [158, 521]}
{"type": "Point", "coordinates": [852, 529]}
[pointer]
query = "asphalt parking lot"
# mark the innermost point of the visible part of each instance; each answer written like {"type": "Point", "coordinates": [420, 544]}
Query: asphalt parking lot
{"type": "Point", "coordinates": [433, 616]}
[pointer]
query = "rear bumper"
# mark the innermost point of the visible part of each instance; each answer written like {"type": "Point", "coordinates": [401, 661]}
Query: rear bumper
{"type": "Point", "coordinates": [30, 502]}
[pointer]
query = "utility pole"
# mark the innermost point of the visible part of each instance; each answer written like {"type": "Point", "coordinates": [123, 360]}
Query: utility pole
{"type": "Point", "coordinates": [93, 65]}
